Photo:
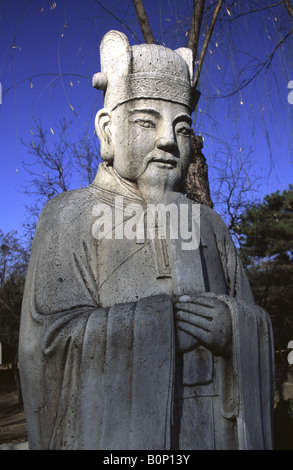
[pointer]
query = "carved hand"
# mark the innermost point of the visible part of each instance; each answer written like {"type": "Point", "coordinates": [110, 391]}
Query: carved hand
{"type": "Point", "coordinates": [203, 319]}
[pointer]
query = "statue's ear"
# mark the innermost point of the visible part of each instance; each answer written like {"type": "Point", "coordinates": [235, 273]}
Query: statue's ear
{"type": "Point", "coordinates": [102, 126]}
{"type": "Point", "coordinates": [186, 54]}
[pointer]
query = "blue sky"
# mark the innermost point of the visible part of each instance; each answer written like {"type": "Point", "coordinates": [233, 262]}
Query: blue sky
{"type": "Point", "coordinates": [44, 37]}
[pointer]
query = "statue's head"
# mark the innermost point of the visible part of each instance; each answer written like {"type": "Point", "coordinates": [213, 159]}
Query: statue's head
{"type": "Point", "coordinates": [148, 100]}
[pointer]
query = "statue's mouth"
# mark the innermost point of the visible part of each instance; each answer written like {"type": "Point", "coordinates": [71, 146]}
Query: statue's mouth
{"type": "Point", "coordinates": [168, 162]}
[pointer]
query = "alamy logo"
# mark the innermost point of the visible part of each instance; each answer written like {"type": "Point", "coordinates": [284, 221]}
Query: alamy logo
{"type": "Point", "coordinates": [133, 221]}
{"type": "Point", "coordinates": [290, 355]}
{"type": "Point", "coordinates": [290, 95]}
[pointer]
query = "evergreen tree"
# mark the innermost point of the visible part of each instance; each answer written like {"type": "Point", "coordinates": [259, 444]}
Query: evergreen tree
{"type": "Point", "coordinates": [265, 236]}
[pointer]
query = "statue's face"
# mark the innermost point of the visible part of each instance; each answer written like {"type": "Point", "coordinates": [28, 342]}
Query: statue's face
{"type": "Point", "coordinates": [151, 141]}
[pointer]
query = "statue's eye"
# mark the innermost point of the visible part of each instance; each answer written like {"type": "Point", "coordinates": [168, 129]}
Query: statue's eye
{"type": "Point", "coordinates": [145, 123]}
{"type": "Point", "coordinates": [184, 130]}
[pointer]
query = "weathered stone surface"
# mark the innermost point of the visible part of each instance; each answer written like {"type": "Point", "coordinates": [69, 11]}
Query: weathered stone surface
{"type": "Point", "coordinates": [139, 329]}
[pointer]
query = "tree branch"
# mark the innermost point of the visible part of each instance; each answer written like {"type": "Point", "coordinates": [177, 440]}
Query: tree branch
{"type": "Point", "coordinates": [195, 27]}
{"type": "Point", "coordinates": [206, 42]}
{"type": "Point", "coordinates": [266, 64]}
{"type": "Point", "coordinates": [143, 21]}
{"type": "Point", "coordinates": [118, 19]}
{"type": "Point", "coordinates": [289, 7]}
{"type": "Point", "coordinates": [254, 11]}
{"type": "Point", "coordinates": [46, 74]}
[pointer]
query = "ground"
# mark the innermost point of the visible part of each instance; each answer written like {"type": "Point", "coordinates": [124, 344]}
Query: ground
{"type": "Point", "coordinates": [12, 419]}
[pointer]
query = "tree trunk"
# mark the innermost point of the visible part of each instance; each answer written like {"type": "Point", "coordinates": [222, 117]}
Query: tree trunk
{"type": "Point", "coordinates": [195, 27]}
{"type": "Point", "coordinates": [197, 182]}
{"type": "Point", "coordinates": [143, 21]}
{"type": "Point", "coordinates": [289, 7]}
{"type": "Point", "coordinates": [206, 43]}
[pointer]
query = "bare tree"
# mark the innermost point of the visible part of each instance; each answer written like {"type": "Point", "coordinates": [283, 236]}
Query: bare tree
{"type": "Point", "coordinates": [236, 187]}
{"type": "Point", "coordinates": [50, 170]}
{"type": "Point", "coordinates": [54, 162]}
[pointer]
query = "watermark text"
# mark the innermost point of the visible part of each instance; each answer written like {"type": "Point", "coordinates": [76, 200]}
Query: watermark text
{"type": "Point", "coordinates": [290, 94]}
{"type": "Point", "coordinates": [133, 221]}
{"type": "Point", "coordinates": [290, 355]}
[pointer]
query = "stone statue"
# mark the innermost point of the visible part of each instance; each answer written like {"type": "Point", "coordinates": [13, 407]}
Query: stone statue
{"type": "Point", "coordinates": [139, 329]}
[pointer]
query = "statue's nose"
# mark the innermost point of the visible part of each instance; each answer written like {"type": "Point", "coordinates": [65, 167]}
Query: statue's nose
{"type": "Point", "coordinates": [167, 142]}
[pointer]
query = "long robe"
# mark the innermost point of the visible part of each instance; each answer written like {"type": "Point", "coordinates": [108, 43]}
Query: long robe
{"type": "Point", "coordinates": [99, 359]}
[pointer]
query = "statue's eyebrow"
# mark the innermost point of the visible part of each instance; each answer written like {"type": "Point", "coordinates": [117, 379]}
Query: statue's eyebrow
{"type": "Point", "coordinates": [152, 111]}
{"type": "Point", "coordinates": [183, 117]}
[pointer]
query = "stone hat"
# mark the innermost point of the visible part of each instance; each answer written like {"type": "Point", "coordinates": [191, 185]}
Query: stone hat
{"type": "Point", "coordinates": [144, 71]}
